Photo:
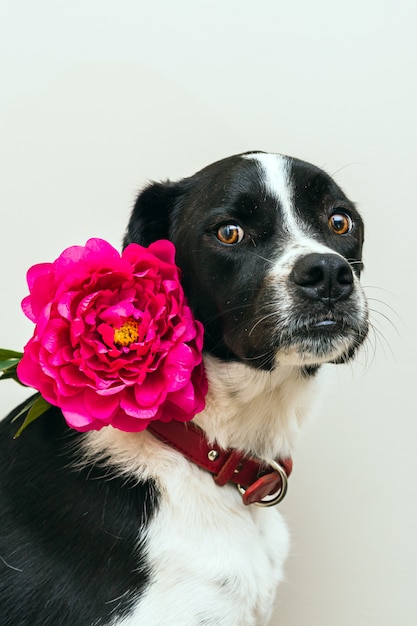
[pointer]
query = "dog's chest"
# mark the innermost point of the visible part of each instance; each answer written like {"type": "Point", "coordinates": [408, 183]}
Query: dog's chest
{"type": "Point", "coordinates": [213, 561]}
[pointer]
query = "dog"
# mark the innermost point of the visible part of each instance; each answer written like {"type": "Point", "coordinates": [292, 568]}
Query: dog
{"type": "Point", "coordinates": [106, 527]}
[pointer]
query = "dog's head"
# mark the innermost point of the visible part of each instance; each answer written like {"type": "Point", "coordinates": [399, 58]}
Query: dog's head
{"type": "Point", "coordinates": [270, 250]}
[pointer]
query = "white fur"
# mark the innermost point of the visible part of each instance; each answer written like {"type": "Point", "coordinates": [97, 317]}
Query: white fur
{"type": "Point", "coordinates": [202, 533]}
{"type": "Point", "coordinates": [275, 174]}
{"type": "Point", "coordinates": [206, 544]}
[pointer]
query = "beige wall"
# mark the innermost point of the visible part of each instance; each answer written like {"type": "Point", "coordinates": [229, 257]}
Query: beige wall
{"type": "Point", "coordinates": [95, 100]}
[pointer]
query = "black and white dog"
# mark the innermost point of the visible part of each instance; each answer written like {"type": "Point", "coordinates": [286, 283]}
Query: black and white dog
{"type": "Point", "coordinates": [109, 528]}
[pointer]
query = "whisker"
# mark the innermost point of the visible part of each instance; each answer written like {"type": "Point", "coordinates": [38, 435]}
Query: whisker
{"type": "Point", "coordinates": [378, 288]}
{"type": "Point", "coordinates": [380, 339]}
{"type": "Point", "coordinates": [261, 320]}
{"type": "Point", "coordinates": [369, 348]}
{"type": "Point", "coordinates": [239, 307]}
{"type": "Point", "coordinates": [346, 166]}
{"type": "Point", "coordinates": [377, 336]}
{"type": "Point", "coordinates": [263, 258]}
{"type": "Point", "coordinates": [386, 318]}
{"type": "Point", "coordinates": [388, 306]}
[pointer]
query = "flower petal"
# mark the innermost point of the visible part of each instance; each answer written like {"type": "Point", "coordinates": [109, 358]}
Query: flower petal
{"type": "Point", "coordinates": [78, 302]}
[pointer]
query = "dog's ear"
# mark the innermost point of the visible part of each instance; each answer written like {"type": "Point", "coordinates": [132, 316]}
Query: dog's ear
{"type": "Point", "coordinates": [152, 213]}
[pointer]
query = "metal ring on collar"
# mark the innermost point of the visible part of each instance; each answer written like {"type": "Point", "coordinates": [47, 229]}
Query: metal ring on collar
{"type": "Point", "coordinates": [277, 497]}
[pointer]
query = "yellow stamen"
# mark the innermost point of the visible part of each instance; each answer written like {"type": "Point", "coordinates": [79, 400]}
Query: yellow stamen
{"type": "Point", "coordinates": [126, 334]}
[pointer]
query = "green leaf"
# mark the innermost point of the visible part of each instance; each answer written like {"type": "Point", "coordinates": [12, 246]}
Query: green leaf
{"type": "Point", "coordinates": [38, 406]}
{"type": "Point", "coordinates": [26, 406]}
{"type": "Point", "coordinates": [10, 354]}
{"type": "Point", "coordinates": [11, 374]}
{"type": "Point", "coordinates": [4, 365]}
{"type": "Point", "coordinates": [9, 360]}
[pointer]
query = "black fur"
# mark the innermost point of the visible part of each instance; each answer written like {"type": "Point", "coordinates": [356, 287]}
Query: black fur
{"type": "Point", "coordinates": [62, 529]}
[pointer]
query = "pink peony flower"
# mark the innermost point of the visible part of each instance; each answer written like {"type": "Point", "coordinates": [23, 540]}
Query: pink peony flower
{"type": "Point", "coordinates": [115, 341]}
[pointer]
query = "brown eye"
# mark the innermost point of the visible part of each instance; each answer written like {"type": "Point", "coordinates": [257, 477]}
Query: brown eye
{"type": "Point", "coordinates": [340, 223]}
{"type": "Point", "coordinates": [230, 234]}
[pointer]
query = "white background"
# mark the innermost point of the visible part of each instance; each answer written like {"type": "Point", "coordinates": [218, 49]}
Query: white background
{"type": "Point", "coordinates": [97, 97]}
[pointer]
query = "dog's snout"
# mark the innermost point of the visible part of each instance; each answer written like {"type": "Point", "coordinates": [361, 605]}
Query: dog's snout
{"type": "Point", "coordinates": [323, 277]}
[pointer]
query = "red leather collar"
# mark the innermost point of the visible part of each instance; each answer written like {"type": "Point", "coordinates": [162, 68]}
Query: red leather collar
{"type": "Point", "coordinates": [253, 477]}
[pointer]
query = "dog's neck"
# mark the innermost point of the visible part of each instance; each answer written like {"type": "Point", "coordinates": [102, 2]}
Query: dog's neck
{"type": "Point", "coordinates": [255, 411]}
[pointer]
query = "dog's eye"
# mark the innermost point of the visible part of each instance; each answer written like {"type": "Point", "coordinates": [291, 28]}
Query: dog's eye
{"type": "Point", "coordinates": [230, 234]}
{"type": "Point", "coordinates": [340, 223]}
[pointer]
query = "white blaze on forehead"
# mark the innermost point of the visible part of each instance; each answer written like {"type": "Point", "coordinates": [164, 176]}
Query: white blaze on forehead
{"type": "Point", "coordinates": [276, 171]}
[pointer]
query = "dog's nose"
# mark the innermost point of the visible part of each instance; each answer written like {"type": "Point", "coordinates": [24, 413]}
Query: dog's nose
{"type": "Point", "coordinates": [323, 277]}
